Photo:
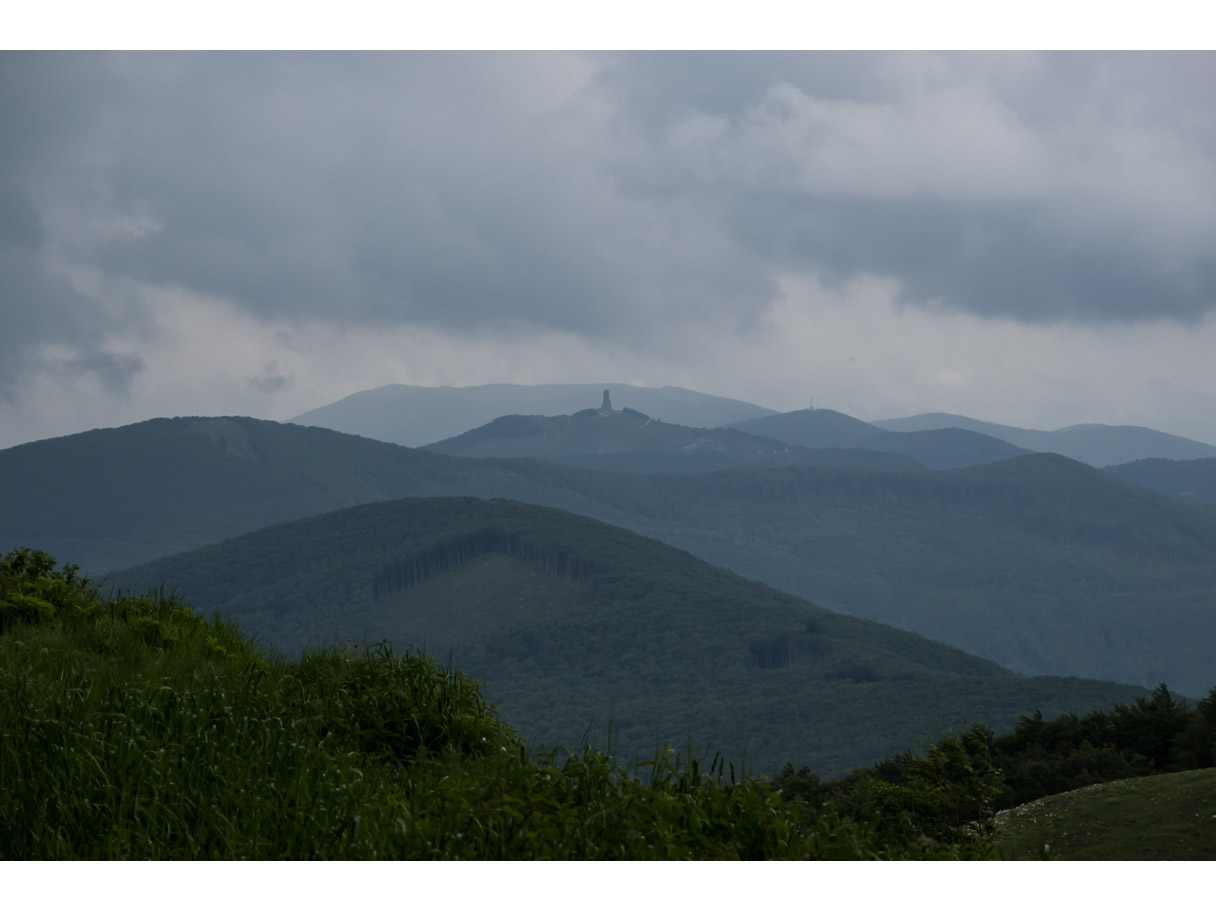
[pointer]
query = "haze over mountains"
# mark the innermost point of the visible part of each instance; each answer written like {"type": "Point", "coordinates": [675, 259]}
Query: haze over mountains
{"type": "Point", "coordinates": [418, 415]}
{"type": "Point", "coordinates": [936, 448]}
{"type": "Point", "coordinates": [1096, 444]}
{"type": "Point", "coordinates": [629, 441]}
{"type": "Point", "coordinates": [1036, 562]}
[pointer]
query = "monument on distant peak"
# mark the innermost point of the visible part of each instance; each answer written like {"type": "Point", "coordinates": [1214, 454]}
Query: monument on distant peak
{"type": "Point", "coordinates": [607, 406]}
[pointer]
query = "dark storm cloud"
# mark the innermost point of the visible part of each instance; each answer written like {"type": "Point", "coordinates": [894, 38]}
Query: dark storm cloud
{"type": "Point", "coordinates": [47, 125]}
{"type": "Point", "coordinates": [37, 309]}
{"type": "Point", "coordinates": [457, 191]}
{"type": "Point", "coordinates": [988, 259]}
{"type": "Point", "coordinates": [603, 193]}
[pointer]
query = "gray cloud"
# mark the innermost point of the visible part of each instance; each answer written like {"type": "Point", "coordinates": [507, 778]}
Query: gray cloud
{"type": "Point", "coordinates": [990, 260]}
{"type": "Point", "coordinates": [1039, 187]}
{"type": "Point", "coordinates": [425, 188]}
{"type": "Point", "coordinates": [113, 371]}
{"type": "Point", "coordinates": [38, 309]}
{"type": "Point", "coordinates": [598, 194]}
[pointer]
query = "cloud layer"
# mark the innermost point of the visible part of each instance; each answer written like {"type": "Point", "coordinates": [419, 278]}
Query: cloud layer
{"type": "Point", "coordinates": [191, 232]}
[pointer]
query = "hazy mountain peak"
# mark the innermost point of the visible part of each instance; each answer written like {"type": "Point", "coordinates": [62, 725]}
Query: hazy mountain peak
{"type": "Point", "coordinates": [1096, 444]}
{"type": "Point", "coordinates": [941, 448]}
{"type": "Point", "coordinates": [628, 440]}
{"type": "Point", "coordinates": [419, 415]}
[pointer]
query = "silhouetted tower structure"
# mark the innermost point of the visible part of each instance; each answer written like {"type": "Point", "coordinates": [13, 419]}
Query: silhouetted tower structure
{"type": "Point", "coordinates": [607, 406]}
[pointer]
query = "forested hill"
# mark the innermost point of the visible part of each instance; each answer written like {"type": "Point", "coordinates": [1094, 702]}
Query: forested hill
{"type": "Point", "coordinates": [625, 440]}
{"type": "Point", "coordinates": [937, 448]}
{"type": "Point", "coordinates": [1094, 444]}
{"type": "Point", "coordinates": [1187, 479]}
{"type": "Point", "coordinates": [120, 496]}
{"type": "Point", "coordinates": [1039, 562]}
{"type": "Point", "coordinates": [575, 625]}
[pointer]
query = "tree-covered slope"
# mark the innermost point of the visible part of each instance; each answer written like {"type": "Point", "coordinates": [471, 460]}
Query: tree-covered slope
{"type": "Point", "coordinates": [115, 496]}
{"type": "Point", "coordinates": [814, 428]}
{"type": "Point", "coordinates": [937, 448]}
{"type": "Point", "coordinates": [1039, 563]}
{"type": "Point", "coordinates": [1094, 444]}
{"type": "Point", "coordinates": [574, 625]}
{"type": "Point", "coordinates": [629, 441]}
{"type": "Point", "coordinates": [1187, 479]}
{"type": "Point", "coordinates": [134, 729]}
{"type": "Point", "coordinates": [120, 496]}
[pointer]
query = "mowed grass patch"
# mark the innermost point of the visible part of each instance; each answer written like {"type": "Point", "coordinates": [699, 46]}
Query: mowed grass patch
{"type": "Point", "coordinates": [1170, 817]}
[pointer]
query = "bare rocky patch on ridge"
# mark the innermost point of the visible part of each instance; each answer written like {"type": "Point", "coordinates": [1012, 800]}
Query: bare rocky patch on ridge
{"type": "Point", "coordinates": [228, 432]}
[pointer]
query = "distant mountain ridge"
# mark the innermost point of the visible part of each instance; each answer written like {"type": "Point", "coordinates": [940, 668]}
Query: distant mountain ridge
{"type": "Point", "coordinates": [626, 440]}
{"type": "Point", "coordinates": [114, 497]}
{"type": "Point", "coordinates": [1187, 479]}
{"type": "Point", "coordinates": [944, 448]}
{"type": "Point", "coordinates": [418, 415]}
{"type": "Point", "coordinates": [1037, 562]}
{"type": "Point", "coordinates": [1098, 445]}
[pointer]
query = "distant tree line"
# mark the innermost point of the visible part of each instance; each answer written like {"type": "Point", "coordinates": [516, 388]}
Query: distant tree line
{"type": "Point", "coordinates": [1157, 734]}
{"type": "Point", "coordinates": [962, 780]}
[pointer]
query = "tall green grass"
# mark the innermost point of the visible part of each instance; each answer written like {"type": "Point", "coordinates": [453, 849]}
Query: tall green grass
{"type": "Point", "coordinates": [131, 728]}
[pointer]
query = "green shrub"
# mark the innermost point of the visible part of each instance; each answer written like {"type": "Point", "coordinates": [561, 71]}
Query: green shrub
{"type": "Point", "coordinates": [132, 728]}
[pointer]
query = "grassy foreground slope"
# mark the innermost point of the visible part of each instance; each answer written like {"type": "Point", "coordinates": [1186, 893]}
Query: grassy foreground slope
{"type": "Point", "coordinates": [134, 729]}
{"type": "Point", "coordinates": [1039, 563]}
{"type": "Point", "coordinates": [1171, 817]}
{"type": "Point", "coordinates": [573, 624]}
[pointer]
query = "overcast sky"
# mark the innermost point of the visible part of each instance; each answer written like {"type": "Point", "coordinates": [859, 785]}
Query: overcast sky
{"type": "Point", "coordinates": [1022, 238]}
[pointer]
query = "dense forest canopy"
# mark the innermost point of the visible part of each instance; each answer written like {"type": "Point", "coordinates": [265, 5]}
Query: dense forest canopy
{"type": "Point", "coordinates": [574, 625]}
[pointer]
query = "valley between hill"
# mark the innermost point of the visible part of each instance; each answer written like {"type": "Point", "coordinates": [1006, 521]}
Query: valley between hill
{"type": "Point", "coordinates": [1170, 817]}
